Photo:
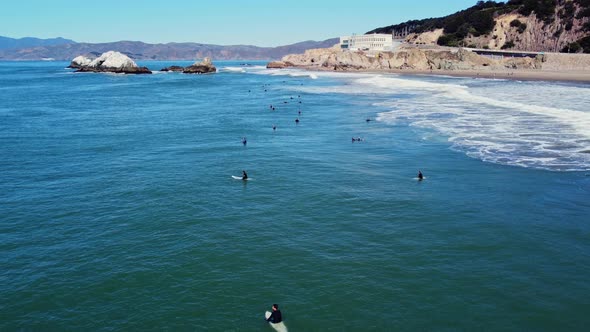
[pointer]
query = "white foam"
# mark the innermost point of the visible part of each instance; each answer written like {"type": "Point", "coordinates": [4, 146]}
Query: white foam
{"type": "Point", "coordinates": [494, 122]}
{"type": "Point", "coordinates": [528, 124]}
{"type": "Point", "coordinates": [232, 69]}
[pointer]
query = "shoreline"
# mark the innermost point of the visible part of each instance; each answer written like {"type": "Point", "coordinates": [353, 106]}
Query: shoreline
{"type": "Point", "coordinates": [517, 75]}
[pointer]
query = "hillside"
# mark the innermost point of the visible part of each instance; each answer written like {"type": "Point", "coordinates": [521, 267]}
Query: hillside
{"type": "Point", "coordinates": [27, 42]}
{"type": "Point", "coordinates": [169, 51]}
{"type": "Point", "coordinates": [531, 25]}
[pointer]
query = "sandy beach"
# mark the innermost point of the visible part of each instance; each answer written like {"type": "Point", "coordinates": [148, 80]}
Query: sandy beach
{"type": "Point", "coordinates": [524, 75]}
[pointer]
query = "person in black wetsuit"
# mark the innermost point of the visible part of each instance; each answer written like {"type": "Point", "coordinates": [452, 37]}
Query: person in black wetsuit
{"type": "Point", "coordinates": [244, 175]}
{"type": "Point", "coordinates": [276, 316]}
{"type": "Point", "coordinates": [420, 176]}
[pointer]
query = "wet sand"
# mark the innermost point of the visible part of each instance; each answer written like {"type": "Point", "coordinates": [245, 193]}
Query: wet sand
{"type": "Point", "coordinates": [582, 76]}
{"type": "Point", "coordinates": [579, 76]}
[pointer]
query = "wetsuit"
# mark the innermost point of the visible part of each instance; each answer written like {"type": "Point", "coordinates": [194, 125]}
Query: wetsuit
{"type": "Point", "coordinates": [244, 176]}
{"type": "Point", "coordinates": [275, 317]}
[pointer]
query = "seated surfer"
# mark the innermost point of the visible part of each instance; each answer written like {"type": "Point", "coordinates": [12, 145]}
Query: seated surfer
{"type": "Point", "coordinates": [275, 316]}
{"type": "Point", "coordinates": [297, 120]}
{"type": "Point", "coordinates": [244, 175]}
{"type": "Point", "coordinates": [244, 140]}
{"type": "Point", "coordinates": [420, 176]}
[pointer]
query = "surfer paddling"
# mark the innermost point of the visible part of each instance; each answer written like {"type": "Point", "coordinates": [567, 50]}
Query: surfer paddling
{"type": "Point", "coordinates": [275, 317]}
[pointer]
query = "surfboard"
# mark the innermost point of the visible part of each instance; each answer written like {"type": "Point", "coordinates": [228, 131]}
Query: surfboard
{"type": "Point", "coordinates": [279, 327]}
{"type": "Point", "coordinates": [239, 178]}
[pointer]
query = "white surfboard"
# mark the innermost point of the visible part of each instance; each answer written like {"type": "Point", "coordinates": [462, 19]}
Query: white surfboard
{"type": "Point", "coordinates": [239, 178]}
{"type": "Point", "coordinates": [279, 327]}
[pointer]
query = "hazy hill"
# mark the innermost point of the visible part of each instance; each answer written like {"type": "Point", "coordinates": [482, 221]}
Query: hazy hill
{"type": "Point", "coordinates": [27, 42]}
{"type": "Point", "coordinates": [169, 51]}
{"type": "Point", "coordinates": [533, 25]}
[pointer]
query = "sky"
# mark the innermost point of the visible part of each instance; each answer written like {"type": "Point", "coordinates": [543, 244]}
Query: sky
{"type": "Point", "coordinates": [221, 22]}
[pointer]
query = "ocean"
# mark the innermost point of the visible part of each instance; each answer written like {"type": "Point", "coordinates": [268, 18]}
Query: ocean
{"type": "Point", "coordinates": [118, 210]}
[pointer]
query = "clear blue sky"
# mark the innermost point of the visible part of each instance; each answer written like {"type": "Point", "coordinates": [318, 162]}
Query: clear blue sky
{"type": "Point", "coordinates": [223, 22]}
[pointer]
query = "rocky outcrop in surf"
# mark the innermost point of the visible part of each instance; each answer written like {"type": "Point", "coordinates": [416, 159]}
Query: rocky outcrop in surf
{"type": "Point", "coordinates": [411, 58]}
{"type": "Point", "coordinates": [109, 62]}
{"type": "Point", "coordinates": [173, 68]}
{"type": "Point", "coordinates": [203, 67]}
{"type": "Point", "coordinates": [279, 65]}
{"type": "Point", "coordinates": [79, 62]}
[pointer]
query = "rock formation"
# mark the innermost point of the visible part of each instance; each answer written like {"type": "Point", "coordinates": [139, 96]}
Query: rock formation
{"type": "Point", "coordinates": [278, 65]}
{"type": "Point", "coordinates": [79, 62]}
{"type": "Point", "coordinates": [411, 58]}
{"type": "Point", "coordinates": [109, 62]}
{"type": "Point", "coordinates": [203, 67]}
{"type": "Point", "coordinates": [173, 68]}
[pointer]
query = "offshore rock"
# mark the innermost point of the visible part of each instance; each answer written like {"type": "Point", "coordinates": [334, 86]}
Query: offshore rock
{"type": "Point", "coordinates": [111, 62]}
{"type": "Point", "coordinates": [173, 68]}
{"type": "Point", "coordinates": [204, 67]}
{"type": "Point", "coordinates": [79, 62]}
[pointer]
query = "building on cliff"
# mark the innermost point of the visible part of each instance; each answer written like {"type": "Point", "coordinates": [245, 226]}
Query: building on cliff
{"type": "Point", "coordinates": [372, 42]}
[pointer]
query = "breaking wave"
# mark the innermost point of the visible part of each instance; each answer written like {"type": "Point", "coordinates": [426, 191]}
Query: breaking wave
{"type": "Point", "coordinates": [528, 124]}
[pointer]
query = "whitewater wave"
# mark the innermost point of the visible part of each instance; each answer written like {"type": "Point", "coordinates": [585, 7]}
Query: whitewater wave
{"type": "Point", "coordinates": [495, 121]}
{"type": "Point", "coordinates": [232, 69]}
{"type": "Point", "coordinates": [492, 129]}
{"type": "Point", "coordinates": [499, 121]}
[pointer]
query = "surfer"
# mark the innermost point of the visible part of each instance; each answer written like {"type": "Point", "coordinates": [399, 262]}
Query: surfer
{"type": "Point", "coordinates": [420, 176]}
{"type": "Point", "coordinates": [276, 316]}
{"type": "Point", "coordinates": [244, 140]}
{"type": "Point", "coordinates": [244, 175]}
{"type": "Point", "coordinates": [297, 121]}
{"type": "Point", "coordinates": [274, 127]}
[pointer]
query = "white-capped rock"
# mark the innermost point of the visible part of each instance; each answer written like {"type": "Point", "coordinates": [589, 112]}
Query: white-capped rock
{"type": "Point", "coordinates": [111, 61]}
{"type": "Point", "coordinates": [80, 61]}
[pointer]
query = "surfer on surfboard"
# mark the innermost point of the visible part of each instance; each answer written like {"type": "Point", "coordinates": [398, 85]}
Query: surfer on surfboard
{"type": "Point", "coordinates": [420, 176]}
{"type": "Point", "coordinates": [244, 175]}
{"type": "Point", "coordinates": [275, 317]}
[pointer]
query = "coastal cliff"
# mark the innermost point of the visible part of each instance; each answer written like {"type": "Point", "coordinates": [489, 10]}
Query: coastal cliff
{"type": "Point", "coordinates": [410, 58]}
{"type": "Point", "coordinates": [537, 26]}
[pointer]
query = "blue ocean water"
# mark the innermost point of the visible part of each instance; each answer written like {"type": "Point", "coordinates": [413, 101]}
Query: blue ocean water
{"type": "Point", "coordinates": [118, 210]}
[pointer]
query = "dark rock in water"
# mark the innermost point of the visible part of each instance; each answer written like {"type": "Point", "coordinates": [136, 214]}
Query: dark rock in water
{"type": "Point", "coordinates": [198, 69]}
{"type": "Point", "coordinates": [278, 65]}
{"type": "Point", "coordinates": [173, 68]}
{"type": "Point", "coordinates": [204, 67]}
{"type": "Point", "coordinates": [135, 70]}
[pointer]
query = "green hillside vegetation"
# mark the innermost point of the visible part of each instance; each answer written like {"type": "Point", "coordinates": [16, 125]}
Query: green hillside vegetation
{"type": "Point", "coordinates": [479, 20]}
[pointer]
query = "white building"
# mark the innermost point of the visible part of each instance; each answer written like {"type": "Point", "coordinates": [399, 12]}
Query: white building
{"type": "Point", "coordinates": [374, 42]}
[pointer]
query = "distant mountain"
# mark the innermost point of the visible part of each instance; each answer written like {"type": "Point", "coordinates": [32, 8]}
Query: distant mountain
{"type": "Point", "coordinates": [28, 42]}
{"type": "Point", "coordinates": [169, 51]}
{"type": "Point", "coordinates": [530, 25]}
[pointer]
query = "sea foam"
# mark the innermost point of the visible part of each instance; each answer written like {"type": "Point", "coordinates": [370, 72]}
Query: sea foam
{"type": "Point", "coordinates": [496, 121]}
